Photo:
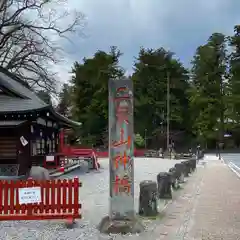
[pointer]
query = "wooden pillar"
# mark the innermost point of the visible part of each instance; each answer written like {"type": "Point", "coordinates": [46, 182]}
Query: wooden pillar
{"type": "Point", "coordinates": [45, 136]}
{"type": "Point", "coordinates": [61, 140]}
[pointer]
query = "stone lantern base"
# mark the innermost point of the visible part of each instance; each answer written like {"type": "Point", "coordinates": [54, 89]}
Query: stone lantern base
{"type": "Point", "coordinates": [108, 226]}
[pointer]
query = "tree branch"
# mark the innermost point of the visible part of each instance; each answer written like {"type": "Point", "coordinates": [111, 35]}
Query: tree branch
{"type": "Point", "coordinates": [28, 31]}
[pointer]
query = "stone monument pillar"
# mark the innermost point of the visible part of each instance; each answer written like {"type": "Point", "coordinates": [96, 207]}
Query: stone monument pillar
{"type": "Point", "coordinates": [121, 217]}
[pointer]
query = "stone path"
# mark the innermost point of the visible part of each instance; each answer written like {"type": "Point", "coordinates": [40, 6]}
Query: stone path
{"type": "Point", "coordinates": [208, 208]}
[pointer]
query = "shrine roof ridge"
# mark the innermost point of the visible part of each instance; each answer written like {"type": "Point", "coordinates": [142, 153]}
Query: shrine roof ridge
{"type": "Point", "coordinates": [20, 98]}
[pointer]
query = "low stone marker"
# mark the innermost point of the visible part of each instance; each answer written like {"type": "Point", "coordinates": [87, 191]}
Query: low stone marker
{"type": "Point", "coordinates": [174, 178]}
{"type": "Point", "coordinates": [164, 185]}
{"type": "Point", "coordinates": [193, 163]}
{"type": "Point", "coordinates": [180, 169]}
{"type": "Point", "coordinates": [187, 168]}
{"type": "Point", "coordinates": [200, 155]}
{"type": "Point", "coordinates": [148, 199]}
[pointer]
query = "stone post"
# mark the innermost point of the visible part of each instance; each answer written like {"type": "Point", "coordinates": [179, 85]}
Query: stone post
{"type": "Point", "coordinates": [148, 199]}
{"type": "Point", "coordinates": [121, 217]}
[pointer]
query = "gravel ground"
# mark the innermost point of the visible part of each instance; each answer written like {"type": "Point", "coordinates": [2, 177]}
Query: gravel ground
{"type": "Point", "coordinates": [94, 198]}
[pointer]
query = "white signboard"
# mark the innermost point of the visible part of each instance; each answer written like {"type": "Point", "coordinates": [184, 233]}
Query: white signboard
{"type": "Point", "coordinates": [29, 195]}
{"type": "Point", "coordinates": [23, 141]}
{"type": "Point", "coordinates": [50, 158]}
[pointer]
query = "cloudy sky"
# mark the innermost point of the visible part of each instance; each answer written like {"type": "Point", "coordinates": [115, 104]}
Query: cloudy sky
{"type": "Point", "coordinates": [177, 25]}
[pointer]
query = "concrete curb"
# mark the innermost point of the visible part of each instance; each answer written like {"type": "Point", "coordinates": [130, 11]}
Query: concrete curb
{"type": "Point", "coordinates": [66, 167]}
{"type": "Point", "coordinates": [234, 168]}
{"type": "Point", "coordinates": [56, 173]}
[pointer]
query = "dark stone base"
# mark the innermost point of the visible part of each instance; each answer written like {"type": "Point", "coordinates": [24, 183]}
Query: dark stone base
{"type": "Point", "coordinates": [108, 226]}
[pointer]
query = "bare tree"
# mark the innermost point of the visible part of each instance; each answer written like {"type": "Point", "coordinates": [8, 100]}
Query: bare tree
{"type": "Point", "coordinates": [30, 31]}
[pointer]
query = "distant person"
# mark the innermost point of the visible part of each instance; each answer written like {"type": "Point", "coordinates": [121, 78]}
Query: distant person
{"type": "Point", "coordinates": [198, 149]}
{"type": "Point", "coordinates": [190, 151]}
{"type": "Point", "coordinates": [170, 149]}
{"type": "Point", "coordinates": [160, 152]}
{"type": "Point", "coordinates": [217, 149]}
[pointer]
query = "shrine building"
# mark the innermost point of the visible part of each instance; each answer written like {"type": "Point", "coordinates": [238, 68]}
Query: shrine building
{"type": "Point", "coordinates": [29, 128]}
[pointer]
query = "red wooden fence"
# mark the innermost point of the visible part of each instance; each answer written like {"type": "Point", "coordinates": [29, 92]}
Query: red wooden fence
{"type": "Point", "coordinates": [59, 199]}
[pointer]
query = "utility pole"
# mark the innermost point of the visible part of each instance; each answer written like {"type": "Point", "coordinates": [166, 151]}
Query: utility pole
{"type": "Point", "coordinates": [145, 138]}
{"type": "Point", "coordinates": [222, 108]}
{"type": "Point", "coordinates": [168, 108]}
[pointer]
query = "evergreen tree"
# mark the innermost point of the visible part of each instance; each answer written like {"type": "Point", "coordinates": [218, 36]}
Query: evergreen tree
{"type": "Point", "coordinates": [208, 89]}
{"type": "Point", "coordinates": [90, 92]}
